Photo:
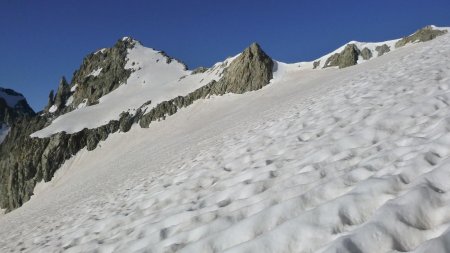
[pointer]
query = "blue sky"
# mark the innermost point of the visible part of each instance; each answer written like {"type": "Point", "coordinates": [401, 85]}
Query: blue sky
{"type": "Point", "coordinates": [44, 40]}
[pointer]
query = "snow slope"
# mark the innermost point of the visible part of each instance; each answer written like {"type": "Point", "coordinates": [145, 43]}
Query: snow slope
{"type": "Point", "coordinates": [350, 160]}
{"type": "Point", "coordinates": [360, 45]}
{"type": "Point", "coordinates": [157, 80]}
{"type": "Point", "coordinates": [153, 78]}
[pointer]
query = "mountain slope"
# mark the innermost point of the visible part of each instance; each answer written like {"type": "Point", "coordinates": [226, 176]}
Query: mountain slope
{"type": "Point", "coordinates": [351, 160]}
{"type": "Point", "coordinates": [52, 137]}
{"type": "Point", "coordinates": [355, 52]}
{"type": "Point", "coordinates": [126, 85]}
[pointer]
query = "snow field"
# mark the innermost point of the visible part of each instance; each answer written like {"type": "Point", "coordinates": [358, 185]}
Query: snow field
{"type": "Point", "coordinates": [353, 160]}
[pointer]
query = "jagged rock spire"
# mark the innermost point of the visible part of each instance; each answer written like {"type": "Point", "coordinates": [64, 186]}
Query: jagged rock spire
{"type": "Point", "coordinates": [251, 70]}
{"type": "Point", "coordinates": [63, 93]}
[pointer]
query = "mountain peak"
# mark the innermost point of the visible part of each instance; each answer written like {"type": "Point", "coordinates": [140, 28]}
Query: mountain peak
{"type": "Point", "coordinates": [251, 70]}
{"type": "Point", "coordinates": [254, 49]}
{"type": "Point", "coordinates": [13, 105]}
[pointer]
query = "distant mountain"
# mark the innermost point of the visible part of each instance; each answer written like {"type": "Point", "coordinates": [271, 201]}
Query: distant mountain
{"type": "Point", "coordinates": [13, 106]}
{"type": "Point", "coordinates": [130, 85]}
{"type": "Point", "coordinates": [355, 52]}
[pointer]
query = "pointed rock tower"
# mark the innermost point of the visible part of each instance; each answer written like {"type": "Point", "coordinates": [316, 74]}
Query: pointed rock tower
{"type": "Point", "coordinates": [250, 71]}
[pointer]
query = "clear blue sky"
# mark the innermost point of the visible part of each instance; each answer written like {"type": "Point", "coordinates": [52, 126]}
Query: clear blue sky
{"type": "Point", "coordinates": [44, 40]}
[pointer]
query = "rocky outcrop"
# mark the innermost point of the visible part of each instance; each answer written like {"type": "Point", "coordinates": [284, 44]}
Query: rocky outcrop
{"type": "Point", "coordinates": [316, 64]}
{"type": "Point", "coordinates": [382, 49]}
{"type": "Point", "coordinates": [9, 112]}
{"type": "Point", "coordinates": [425, 34]}
{"type": "Point", "coordinates": [58, 101]}
{"type": "Point", "coordinates": [110, 63]}
{"type": "Point", "coordinates": [250, 71]}
{"type": "Point", "coordinates": [348, 57]}
{"type": "Point", "coordinates": [366, 54]}
{"type": "Point", "coordinates": [24, 161]}
{"type": "Point", "coordinates": [62, 94]}
{"type": "Point", "coordinates": [36, 159]}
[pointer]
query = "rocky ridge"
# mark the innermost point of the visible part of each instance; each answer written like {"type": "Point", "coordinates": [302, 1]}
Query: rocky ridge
{"type": "Point", "coordinates": [100, 73]}
{"type": "Point", "coordinates": [353, 52]}
{"type": "Point", "coordinates": [22, 166]}
{"type": "Point", "coordinates": [13, 106]}
{"type": "Point", "coordinates": [36, 159]}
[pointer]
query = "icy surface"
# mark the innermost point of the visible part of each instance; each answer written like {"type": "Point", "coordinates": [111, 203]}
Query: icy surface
{"type": "Point", "coordinates": [351, 160]}
{"type": "Point", "coordinates": [154, 79]}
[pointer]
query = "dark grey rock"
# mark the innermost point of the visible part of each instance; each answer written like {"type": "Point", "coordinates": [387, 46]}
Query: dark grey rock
{"type": "Point", "coordinates": [36, 159]}
{"type": "Point", "coordinates": [348, 57]}
{"type": "Point", "coordinates": [366, 54]}
{"type": "Point", "coordinates": [382, 49]}
{"type": "Point", "coordinates": [125, 122]}
{"type": "Point", "coordinates": [51, 100]}
{"type": "Point", "coordinates": [424, 34]}
{"type": "Point", "coordinates": [62, 94]}
{"type": "Point", "coordinates": [316, 64]}
{"type": "Point", "coordinates": [8, 115]}
{"type": "Point", "coordinates": [112, 62]}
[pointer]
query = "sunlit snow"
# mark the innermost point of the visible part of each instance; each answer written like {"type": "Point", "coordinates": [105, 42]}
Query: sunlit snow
{"type": "Point", "coordinates": [350, 160]}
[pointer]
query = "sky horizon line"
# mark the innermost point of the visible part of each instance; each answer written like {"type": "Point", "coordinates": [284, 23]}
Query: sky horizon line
{"type": "Point", "coordinates": [69, 78]}
{"type": "Point", "coordinates": [47, 40]}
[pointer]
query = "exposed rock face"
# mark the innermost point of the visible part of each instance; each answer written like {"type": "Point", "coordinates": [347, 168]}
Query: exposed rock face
{"type": "Point", "coordinates": [59, 100]}
{"type": "Point", "coordinates": [316, 64]}
{"type": "Point", "coordinates": [348, 57]}
{"type": "Point", "coordinates": [36, 159]}
{"type": "Point", "coordinates": [63, 93]}
{"type": "Point", "coordinates": [252, 70]}
{"type": "Point", "coordinates": [425, 34]}
{"type": "Point", "coordinates": [110, 65]}
{"type": "Point", "coordinates": [366, 53]}
{"type": "Point", "coordinates": [13, 106]}
{"type": "Point", "coordinates": [382, 49]}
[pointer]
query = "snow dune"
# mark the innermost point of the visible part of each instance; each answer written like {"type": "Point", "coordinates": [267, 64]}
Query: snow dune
{"type": "Point", "coordinates": [351, 160]}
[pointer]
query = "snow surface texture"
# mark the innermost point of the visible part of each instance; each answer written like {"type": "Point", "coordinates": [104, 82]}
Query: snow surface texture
{"type": "Point", "coordinates": [351, 160]}
{"type": "Point", "coordinates": [153, 79]}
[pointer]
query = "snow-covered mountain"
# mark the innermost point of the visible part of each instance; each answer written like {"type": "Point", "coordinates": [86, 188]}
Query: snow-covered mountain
{"type": "Point", "coordinates": [355, 52]}
{"type": "Point", "coordinates": [305, 159]}
{"type": "Point", "coordinates": [13, 106]}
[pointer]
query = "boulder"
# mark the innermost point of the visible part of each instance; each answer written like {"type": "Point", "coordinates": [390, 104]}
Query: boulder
{"type": "Point", "coordinates": [382, 49]}
{"type": "Point", "coordinates": [348, 57]}
{"type": "Point", "coordinates": [366, 54]}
